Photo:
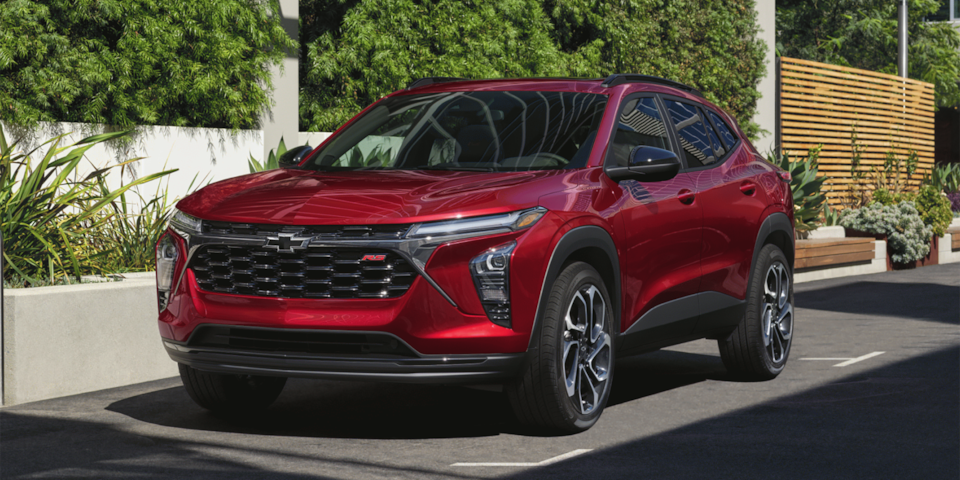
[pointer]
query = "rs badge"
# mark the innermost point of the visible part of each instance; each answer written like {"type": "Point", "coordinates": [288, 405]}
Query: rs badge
{"type": "Point", "coordinates": [373, 258]}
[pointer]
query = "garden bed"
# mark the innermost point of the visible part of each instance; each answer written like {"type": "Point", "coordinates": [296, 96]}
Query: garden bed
{"type": "Point", "coordinates": [65, 340]}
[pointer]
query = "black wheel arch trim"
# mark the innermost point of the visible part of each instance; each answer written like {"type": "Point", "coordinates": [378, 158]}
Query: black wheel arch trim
{"type": "Point", "coordinates": [777, 221]}
{"type": "Point", "coordinates": [588, 236]}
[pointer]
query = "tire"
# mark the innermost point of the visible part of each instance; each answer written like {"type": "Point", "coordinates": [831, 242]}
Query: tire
{"type": "Point", "coordinates": [544, 396]}
{"type": "Point", "coordinates": [760, 345]}
{"type": "Point", "coordinates": [230, 393]}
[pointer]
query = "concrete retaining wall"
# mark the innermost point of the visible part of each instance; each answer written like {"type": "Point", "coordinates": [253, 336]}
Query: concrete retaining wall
{"type": "Point", "coordinates": [73, 339]}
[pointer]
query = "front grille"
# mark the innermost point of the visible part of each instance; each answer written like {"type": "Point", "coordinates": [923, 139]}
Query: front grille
{"type": "Point", "coordinates": [312, 272]}
{"type": "Point", "coordinates": [315, 342]}
{"type": "Point", "coordinates": [322, 232]}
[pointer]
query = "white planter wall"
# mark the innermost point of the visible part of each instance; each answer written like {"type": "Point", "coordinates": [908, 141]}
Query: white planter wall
{"type": "Point", "coordinates": [74, 339]}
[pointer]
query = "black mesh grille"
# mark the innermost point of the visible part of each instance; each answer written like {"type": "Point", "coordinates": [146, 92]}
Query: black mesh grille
{"type": "Point", "coordinates": [324, 232]}
{"type": "Point", "coordinates": [313, 272]}
{"type": "Point", "coordinates": [299, 341]}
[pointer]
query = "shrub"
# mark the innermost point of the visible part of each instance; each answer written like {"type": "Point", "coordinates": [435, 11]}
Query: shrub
{"type": "Point", "coordinates": [954, 201]}
{"type": "Point", "coordinates": [48, 220]}
{"type": "Point", "coordinates": [945, 177]}
{"type": "Point", "coordinates": [908, 238]}
{"type": "Point", "coordinates": [353, 53]}
{"type": "Point", "coordinates": [934, 209]}
{"type": "Point", "coordinates": [197, 63]}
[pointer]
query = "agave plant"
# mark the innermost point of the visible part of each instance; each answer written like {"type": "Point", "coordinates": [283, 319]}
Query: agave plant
{"type": "Point", "coordinates": [945, 177]}
{"type": "Point", "coordinates": [48, 216]}
{"type": "Point", "coordinates": [271, 162]}
{"type": "Point", "coordinates": [808, 202]}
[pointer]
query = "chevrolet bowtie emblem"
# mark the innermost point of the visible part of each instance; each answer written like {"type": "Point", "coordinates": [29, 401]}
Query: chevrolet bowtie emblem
{"type": "Point", "coordinates": [287, 242]}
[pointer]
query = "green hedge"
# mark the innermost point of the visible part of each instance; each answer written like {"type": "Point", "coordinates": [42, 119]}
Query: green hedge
{"type": "Point", "coordinates": [353, 53]}
{"type": "Point", "coordinates": [127, 62]}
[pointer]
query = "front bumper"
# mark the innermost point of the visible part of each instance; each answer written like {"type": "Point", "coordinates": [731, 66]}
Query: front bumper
{"type": "Point", "coordinates": [337, 356]}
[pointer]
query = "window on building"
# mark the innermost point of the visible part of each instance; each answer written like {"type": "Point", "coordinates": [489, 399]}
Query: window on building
{"type": "Point", "coordinates": [949, 11]}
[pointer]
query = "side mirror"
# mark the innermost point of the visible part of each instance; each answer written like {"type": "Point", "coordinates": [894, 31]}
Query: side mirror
{"type": "Point", "coordinates": [647, 164]}
{"type": "Point", "coordinates": [292, 158]}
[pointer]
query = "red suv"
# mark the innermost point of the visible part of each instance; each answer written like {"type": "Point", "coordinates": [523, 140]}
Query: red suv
{"type": "Point", "coordinates": [517, 232]}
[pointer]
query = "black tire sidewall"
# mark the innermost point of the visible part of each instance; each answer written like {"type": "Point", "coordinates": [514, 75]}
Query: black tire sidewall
{"type": "Point", "coordinates": [768, 256]}
{"type": "Point", "coordinates": [569, 282]}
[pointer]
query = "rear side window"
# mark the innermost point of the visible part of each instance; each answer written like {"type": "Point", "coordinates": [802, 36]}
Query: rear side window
{"type": "Point", "coordinates": [639, 123]}
{"type": "Point", "coordinates": [694, 139]}
{"type": "Point", "coordinates": [725, 134]}
{"type": "Point", "coordinates": [714, 139]}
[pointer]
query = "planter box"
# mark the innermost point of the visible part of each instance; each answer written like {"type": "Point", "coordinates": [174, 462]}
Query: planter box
{"type": "Point", "coordinates": [74, 339]}
{"type": "Point", "coordinates": [932, 257]}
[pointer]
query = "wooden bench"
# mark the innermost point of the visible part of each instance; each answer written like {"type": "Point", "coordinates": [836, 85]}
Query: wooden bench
{"type": "Point", "coordinates": [823, 252]}
{"type": "Point", "coordinates": [954, 238]}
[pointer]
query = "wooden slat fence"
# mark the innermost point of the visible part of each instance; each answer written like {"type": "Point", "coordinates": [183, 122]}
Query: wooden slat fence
{"type": "Point", "coordinates": [829, 105]}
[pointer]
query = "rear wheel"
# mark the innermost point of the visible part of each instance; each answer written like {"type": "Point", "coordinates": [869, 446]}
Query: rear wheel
{"type": "Point", "coordinates": [758, 348]}
{"type": "Point", "coordinates": [230, 393]}
{"type": "Point", "coordinates": [566, 381]}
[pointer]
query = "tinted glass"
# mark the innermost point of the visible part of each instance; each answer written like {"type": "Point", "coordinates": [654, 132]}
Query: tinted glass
{"type": "Point", "coordinates": [694, 139]}
{"type": "Point", "coordinates": [943, 13]}
{"type": "Point", "coordinates": [484, 131]}
{"type": "Point", "coordinates": [725, 134]}
{"type": "Point", "coordinates": [714, 139]}
{"type": "Point", "coordinates": [640, 124]}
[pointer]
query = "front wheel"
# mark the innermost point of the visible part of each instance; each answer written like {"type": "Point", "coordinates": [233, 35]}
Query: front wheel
{"type": "Point", "coordinates": [566, 381]}
{"type": "Point", "coordinates": [758, 348]}
{"type": "Point", "coordinates": [224, 393]}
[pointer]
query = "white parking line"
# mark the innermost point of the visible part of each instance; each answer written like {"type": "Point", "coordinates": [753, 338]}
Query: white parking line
{"type": "Point", "coordinates": [549, 461]}
{"type": "Point", "coordinates": [858, 359]}
{"type": "Point", "coordinates": [846, 360]}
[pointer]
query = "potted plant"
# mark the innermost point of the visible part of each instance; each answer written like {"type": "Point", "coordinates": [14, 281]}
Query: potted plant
{"type": "Point", "coordinates": [900, 225]}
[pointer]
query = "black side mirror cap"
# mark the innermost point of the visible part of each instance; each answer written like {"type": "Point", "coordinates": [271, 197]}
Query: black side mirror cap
{"type": "Point", "coordinates": [647, 164]}
{"type": "Point", "coordinates": [292, 158]}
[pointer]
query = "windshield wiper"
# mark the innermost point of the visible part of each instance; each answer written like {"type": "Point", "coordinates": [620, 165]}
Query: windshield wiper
{"type": "Point", "coordinates": [455, 168]}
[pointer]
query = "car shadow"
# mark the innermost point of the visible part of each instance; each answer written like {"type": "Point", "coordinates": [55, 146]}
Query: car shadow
{"type": "Point", "coordinates": [338, 409]}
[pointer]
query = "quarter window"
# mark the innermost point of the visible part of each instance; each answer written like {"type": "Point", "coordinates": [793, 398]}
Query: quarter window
{"type": "Point", "coordinates": [725, 134]}
{"type": "Point", "coordinates": [694, 139]}
{"type": "Point", "coordinates": [640, 123]}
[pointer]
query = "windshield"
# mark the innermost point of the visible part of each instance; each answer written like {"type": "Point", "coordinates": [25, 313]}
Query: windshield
{"type": "Point", "coordinates": [473, 131]}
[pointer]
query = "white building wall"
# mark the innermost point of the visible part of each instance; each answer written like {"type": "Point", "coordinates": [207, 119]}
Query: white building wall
{"type": "Point", "coordinates": [767, 105]}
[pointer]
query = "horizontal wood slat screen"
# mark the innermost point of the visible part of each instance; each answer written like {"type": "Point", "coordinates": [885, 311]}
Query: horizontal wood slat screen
{"type": "Point", "coordinates": [885, 114]}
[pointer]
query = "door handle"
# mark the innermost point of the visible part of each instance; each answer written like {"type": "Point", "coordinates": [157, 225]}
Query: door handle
{"type": "Point", "coordinates": [686, 197]}
{"type": "Point", "coordinates": [748, 188]}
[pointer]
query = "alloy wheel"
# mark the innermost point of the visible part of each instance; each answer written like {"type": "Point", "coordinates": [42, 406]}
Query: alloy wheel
{"type": "Point", "coordinates": [777, 312]}
{"type": "Point", "coordinates": [587, 349]}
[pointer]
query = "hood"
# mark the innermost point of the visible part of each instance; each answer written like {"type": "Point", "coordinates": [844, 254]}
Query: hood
{"type": "Point", "coordinates": [298, 197]}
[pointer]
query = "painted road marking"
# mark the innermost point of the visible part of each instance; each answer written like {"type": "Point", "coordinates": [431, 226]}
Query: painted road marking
{"type": "Point", "coordinates": [848, 361]}
{"type": "Point", "coordinates": [549, 461]}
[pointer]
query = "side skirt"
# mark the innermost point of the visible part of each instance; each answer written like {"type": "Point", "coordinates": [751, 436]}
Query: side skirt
{"type": "Point", "coordinates": [702, 315]}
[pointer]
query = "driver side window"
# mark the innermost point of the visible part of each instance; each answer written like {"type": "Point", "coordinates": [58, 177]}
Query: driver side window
{"type": "Point", "coordinates": [639, 123]}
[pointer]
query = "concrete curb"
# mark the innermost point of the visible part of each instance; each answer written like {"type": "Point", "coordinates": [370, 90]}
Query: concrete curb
{"type": "Point", "coordinates": [72, 339]}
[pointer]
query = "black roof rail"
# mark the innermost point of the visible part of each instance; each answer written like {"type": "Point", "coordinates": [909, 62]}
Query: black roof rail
{"type": "Point", "coordinates": [431, 80]}
{"type": "Point", "coordinates": [619, 78]}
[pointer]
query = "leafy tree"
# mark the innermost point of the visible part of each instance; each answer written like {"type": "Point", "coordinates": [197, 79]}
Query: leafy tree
{"type": "Point", "coordinates": [356, 52]}
{"type": "Point", "coordinates": [352, 53]}
{"type": "Point", "coordinates": [126, 62]}
{"type": "Point", "coordinates": [863, 34]}
{"type": "Point", "coordinates": [710, 45]}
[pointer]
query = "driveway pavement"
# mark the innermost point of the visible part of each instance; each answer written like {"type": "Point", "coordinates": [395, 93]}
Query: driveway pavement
{"type": "Point", "coordinates": [892, 410]}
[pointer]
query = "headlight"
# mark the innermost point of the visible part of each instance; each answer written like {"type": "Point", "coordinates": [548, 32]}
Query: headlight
{"type": "Point", "coordinates": [505, 222]}
{"type": "Point", "coordinates": [184, 222]}
{"type": "Point", "coordinates": [167, 255]}
{"type": "Point", "coordinates": [491, 275]}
